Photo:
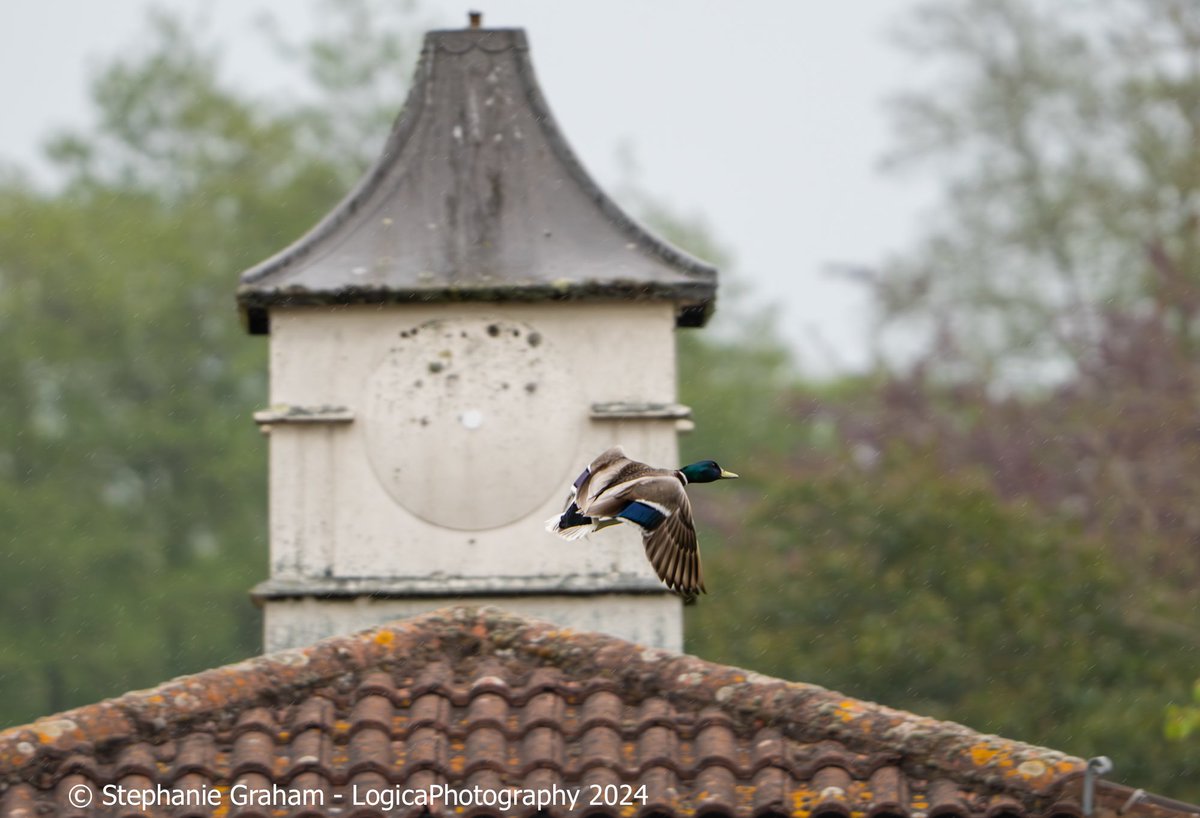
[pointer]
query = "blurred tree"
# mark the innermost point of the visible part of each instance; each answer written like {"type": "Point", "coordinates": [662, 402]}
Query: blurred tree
{"type": "Point", "coordinates": [1069, 138]}
{"type": "Point", "coordinates": [1019, 561]}
{"type": "Point", "coordinates": [132, 480]}
{"type": "Point", "coordinates": [901, 583]}
{"type": "Point", "coordinates": [1007, 561]}
{"type": "Point", "coordinates": [1056, 300]}
{"type": "Point", "coordinates": [1183, 720]}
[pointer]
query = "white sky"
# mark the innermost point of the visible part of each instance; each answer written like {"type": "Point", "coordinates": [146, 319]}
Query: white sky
{"type": "Point", "coordinates": [765, 117]}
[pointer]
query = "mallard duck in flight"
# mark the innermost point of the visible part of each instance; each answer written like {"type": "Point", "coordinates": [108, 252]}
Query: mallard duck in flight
{"type": "Point", "coordinates": [614, 489]}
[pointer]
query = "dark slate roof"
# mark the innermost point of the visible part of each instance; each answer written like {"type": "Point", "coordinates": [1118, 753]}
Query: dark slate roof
{"type": "Point", "coordinates": [476, 196]}
{"type": "Point", "coordinates": [479, 698]}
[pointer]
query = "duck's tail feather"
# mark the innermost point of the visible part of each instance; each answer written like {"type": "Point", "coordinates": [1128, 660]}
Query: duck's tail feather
{"type": "Point", "coordinates": [571, 525]}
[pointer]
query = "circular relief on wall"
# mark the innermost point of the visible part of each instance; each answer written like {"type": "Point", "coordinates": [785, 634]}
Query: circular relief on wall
{"type": "Point", "coordinates": [469, 422]}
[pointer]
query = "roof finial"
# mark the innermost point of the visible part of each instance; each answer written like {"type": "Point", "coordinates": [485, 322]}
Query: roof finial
{"type": "Point", "coordinates": [476, 18]}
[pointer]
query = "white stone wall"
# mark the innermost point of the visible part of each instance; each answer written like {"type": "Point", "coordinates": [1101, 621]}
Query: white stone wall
{"type": "Point", "coordinates": [460, 428]}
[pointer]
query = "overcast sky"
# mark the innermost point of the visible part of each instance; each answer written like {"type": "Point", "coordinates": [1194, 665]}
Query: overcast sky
{"type": "Point", "coordinates": [765, 118]}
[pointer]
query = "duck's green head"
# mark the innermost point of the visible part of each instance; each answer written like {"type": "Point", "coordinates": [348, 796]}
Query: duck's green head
{"type": "Point", "coordinates": [706, 471]}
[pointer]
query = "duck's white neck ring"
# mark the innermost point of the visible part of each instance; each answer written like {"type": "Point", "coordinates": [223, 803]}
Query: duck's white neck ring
{"type": "Point", "coordinates": [682, 477]}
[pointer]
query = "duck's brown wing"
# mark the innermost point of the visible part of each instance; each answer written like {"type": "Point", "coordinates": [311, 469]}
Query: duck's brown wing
{"type": "Point", "coordinates": [672, 550]}
{"type": "Point", "coordinates": [609, 471]}
{"type": "Point", "coordinates": [668, 532]}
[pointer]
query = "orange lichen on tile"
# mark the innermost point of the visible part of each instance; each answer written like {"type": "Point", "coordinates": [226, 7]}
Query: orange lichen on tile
{"type": "Point", "coordinates": [982, 754]}
{"type": "Point", "coordinates": [802, 798]}
{"type": "Point", "coordinates": [222, 808]}
{"type": "Point", "coordinates": [50, 730]}
{"type": "Point", "coordinates": [385, 638]}
{"type": "Point", "coordinates": [848, 710]}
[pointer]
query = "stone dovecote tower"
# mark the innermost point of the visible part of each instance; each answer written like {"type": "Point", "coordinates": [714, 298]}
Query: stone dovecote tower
{"type": "Point", "coordinates": [448, 347]}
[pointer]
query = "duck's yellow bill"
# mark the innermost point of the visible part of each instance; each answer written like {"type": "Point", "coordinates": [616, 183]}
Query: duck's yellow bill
{"type": "Point", "coordinates": [727, 474]}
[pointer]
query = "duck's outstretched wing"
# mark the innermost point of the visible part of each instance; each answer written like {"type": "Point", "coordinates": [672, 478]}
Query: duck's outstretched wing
{"type": "Point", "coordinates": [672, 550]}
{"type": "Point", "coordinates": [659, 506]}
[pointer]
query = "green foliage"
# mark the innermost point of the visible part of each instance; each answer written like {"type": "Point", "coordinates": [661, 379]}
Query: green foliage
{"type": "Point", "coordinates": [1184, 720]}
{"type": "Point", "coordinates": [902, 584]}
{"type": "Point", "coordinates": [1011, 564]}
{"type": "Point", "coordinates": [132, 478]}
{"type": "Point", "coordinates": [736, 388]}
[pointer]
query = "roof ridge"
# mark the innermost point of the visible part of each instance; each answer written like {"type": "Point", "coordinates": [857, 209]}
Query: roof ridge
{"type": "Point", "coordinates": [804, 712]}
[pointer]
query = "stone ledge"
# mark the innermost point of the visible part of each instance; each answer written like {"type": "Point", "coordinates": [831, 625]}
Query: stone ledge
{"type": "Point", "coordinates": [442, 586]}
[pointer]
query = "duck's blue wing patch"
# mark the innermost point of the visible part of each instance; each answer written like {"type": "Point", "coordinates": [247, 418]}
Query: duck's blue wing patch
{"type": "Point", "coordinates": [645, 515]}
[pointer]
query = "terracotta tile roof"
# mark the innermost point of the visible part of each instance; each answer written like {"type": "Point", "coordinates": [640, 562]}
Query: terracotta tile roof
{"type": "Point", "coordinates": [467, 699]}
